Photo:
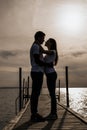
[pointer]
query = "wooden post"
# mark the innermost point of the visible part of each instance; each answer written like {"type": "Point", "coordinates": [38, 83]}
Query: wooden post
{"type": "Point", "coordinates": [28, 89]}
{"type": "Point", "coordinates": [59, 90]}
{"type": "Point", "coordinates": [67, 93]}
{"type": "Point", "coordinates": [23, 87]}
{"type": "Point", "coordinates": [20, 88]}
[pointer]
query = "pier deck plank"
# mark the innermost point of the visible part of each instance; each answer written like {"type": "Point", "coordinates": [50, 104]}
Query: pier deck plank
{"type": "Point", "coordinates": [65, 121]}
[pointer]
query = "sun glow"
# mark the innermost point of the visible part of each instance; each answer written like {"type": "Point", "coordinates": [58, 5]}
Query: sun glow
{"type": "Point", "coordinates": [70, 19]}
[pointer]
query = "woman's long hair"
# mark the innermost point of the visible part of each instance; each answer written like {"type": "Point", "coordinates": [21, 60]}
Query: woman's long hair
{"type": "Point", "coordinates": [54, 47]}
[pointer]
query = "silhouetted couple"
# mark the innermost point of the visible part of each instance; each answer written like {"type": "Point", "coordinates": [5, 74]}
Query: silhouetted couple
{"type": "Point", "coordinates": [39, 66]}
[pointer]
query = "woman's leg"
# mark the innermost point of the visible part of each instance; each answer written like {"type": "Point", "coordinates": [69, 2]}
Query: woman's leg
{"type": "Point", "coordinates": [51, 84]}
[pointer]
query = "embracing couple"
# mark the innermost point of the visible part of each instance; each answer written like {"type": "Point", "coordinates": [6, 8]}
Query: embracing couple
{"type": "Point", "coordinates": [39, 66]}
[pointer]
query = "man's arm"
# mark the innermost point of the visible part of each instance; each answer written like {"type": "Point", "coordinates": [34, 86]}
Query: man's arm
{"type": "Point", "coordinates": [41, 63]}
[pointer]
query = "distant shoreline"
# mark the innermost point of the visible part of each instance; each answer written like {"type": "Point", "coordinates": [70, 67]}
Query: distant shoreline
{"type": "Point", "coordinates": [42, 87]}
{"type": "Point", "coordinates": [9, 87]}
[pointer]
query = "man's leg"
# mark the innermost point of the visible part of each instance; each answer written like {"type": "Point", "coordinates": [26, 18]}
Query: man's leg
{"type": "Point", "coordinates": [37, 80]}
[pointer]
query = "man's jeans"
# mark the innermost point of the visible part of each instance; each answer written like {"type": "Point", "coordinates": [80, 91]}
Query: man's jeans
{"type": "Point", "coordinates": [37, 80]}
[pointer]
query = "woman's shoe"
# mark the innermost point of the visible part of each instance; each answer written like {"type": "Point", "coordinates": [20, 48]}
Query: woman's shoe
{"type": "Point", "coordinates": [51, 117]}
{"type": "Point", "coordinates": [37, 118]}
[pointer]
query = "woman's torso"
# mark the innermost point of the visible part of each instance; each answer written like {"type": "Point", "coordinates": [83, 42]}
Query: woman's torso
{"type": "Point", "coordinates": [49, 58]}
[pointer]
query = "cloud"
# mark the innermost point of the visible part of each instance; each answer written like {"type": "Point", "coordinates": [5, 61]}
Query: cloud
{"type": "Point", "coordinates": [73, 53]}
{"type": "Point", "coordinates": [5, 54]}
{"type": "Point", "coordinates": [11, 53]}
{"type": "Point", "coordinates": [77, 65]}
{"type": "Point", "coordinates": [14, 58]}
{"type": "Point", "coordinates": [79, 53]}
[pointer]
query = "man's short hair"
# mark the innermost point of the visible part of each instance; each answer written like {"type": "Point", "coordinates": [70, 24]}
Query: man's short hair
{"type": "Point", "coordinates": [39, 34]}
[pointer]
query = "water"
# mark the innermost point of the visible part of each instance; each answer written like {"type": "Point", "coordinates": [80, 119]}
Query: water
{"type": "Point", "coordinates": [77, 96]}
{"type": "Point", "coordinates": [7, 105]}
{"type": "Point", "coordinates": [78, 100]}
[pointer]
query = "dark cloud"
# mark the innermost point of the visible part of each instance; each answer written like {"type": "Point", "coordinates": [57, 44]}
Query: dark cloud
{"type": "Point", "coordinates": [6, 54]}
{"type": "Point", "coordinates": [73, 54]}
{"type": "Point", "coordinates": [79, 53]}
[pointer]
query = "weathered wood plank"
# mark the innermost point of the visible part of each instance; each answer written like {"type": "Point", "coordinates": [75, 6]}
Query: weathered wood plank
{"type": "Point", "coordinates": [65, 121]}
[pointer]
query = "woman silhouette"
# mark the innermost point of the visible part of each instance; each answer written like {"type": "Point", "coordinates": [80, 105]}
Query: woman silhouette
{"type": "Point", "coordinates": [51, 76]}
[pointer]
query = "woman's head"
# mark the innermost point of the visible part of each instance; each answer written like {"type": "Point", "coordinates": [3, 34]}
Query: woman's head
{"type": "Point", "coordinates": [52, 45]}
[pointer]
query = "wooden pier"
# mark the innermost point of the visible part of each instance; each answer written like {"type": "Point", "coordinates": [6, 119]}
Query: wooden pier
{"type": "Point", "coordinates": [67, 119]}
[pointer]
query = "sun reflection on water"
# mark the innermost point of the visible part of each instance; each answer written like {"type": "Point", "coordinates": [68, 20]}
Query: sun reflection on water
{"type": "Point", "coordinates": [77, 98]}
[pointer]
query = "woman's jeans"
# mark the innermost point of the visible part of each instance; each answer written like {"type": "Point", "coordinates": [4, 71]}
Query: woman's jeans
{"type": "Point", "coordinates": [51, 84]}
{"type": "Point", "coordinates": [37, 80]}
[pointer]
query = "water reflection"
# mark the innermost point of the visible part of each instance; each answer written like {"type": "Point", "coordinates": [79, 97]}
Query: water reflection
{"type": "Point", "coordinates": [77, 98]}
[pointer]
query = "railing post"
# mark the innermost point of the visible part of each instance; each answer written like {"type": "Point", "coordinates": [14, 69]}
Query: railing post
{"type": "Point", "coordinates": [67, 93]}
{"type": "Point", "coordinates": [23, 89]}
{"type": "Point", "coordinates": [59, 90]}
{"type": "Point", "coordinates": [28, 88]}
{"type": "Point", "coordinates": [20, 88]}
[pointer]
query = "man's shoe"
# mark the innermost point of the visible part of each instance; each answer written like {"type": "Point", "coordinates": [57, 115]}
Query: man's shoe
{"type": "Point", "coordinates": [51, 117]}
{"type": "Point", "coordinates": [37, 118]}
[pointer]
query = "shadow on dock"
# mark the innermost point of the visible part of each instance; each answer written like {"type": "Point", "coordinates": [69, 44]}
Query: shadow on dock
{"type": "Point", "coordinates": [48, 124]}
{"type": "Point", "coordinates": [66, 120]}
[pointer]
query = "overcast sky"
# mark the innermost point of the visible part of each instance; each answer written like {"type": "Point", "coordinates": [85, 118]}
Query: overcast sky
{"type": "Point", "coordinates": [64, 20]}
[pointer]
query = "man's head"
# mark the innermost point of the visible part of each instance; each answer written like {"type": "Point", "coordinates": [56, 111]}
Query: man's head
{"type": "Point", "coordinates": [39, 37]}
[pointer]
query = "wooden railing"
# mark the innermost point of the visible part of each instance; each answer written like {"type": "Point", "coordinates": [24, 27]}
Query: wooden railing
{"type": "Point", "coordinates": [24, 96]}
{"type": "Point", "coordinates": [24, 90]}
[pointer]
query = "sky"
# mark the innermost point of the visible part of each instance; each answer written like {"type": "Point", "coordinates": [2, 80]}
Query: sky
{"type": "Point", "coordinates": [63, 20]}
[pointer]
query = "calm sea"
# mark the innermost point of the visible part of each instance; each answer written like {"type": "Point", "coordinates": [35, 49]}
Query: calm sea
{"type": "Point", "coordinates": [77, 97]}
{"type": "Point", "coordinates": [7, 105]}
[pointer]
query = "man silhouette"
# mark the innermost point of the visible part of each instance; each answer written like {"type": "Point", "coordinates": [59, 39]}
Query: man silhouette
{"type": "Point", "coordinates": [37, 69]}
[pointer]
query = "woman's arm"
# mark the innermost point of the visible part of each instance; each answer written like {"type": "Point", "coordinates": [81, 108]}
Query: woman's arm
{"type": "Point", "coordinates": [45, 51]}
{"type": "Point", "coordinates": [42, 63]}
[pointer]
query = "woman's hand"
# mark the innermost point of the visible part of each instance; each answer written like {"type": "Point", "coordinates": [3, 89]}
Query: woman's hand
{"type": "Point", "coordinates": [50, 52]}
